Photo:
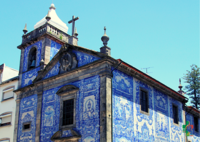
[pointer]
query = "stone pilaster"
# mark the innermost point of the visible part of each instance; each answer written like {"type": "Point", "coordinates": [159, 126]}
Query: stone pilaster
{"type": "Point", "coordinates": [73, 40]}
{"type": "Point", "coordinates": [105, 107]}
{"type": "Point", "coordinates": [47, 51]}
{"type": "Point", "coordinates": [16, 120]}
{"type": "Point", "coordinates": [38, 117]}
{"type": "Point", "coordinates": [21, 68]}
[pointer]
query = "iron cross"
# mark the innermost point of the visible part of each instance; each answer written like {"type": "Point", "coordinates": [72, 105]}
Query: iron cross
{"type": "Point", "coordinates": [73, 23]}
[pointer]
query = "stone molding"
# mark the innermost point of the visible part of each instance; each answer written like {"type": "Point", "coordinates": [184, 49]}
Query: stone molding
{"type": "Point", "coordinates": [57, 137]}
{"type": "Point", "coordinates": [66, 93]}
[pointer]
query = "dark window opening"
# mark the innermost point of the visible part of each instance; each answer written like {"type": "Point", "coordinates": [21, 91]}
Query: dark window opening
{"type": "Point", "coordinates": [196, 124]}
{"type": "Point", "coordinates": [144, 100]}
{"type": "Point", "coordinates": [175, 114]}
{"type": "Point", "coordinates": [27, 126]}
{"type": "Point", "coordinates": [68, 112]}
{"type": "Point", "coordinates": [32, 59]}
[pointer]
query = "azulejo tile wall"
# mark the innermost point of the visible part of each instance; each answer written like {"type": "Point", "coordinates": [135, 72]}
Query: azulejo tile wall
{"type": "Point", "coordinates": [196, 135]}
{"type": "Point", "coordinates": [144, 124]}
{"type": "Point", "coordinates": [38, 46]}
{"type": "Point", "coordinates": [161, 116]}
{"type": "Point", "coordinates": [176, 133]}
{"type": "Point", "coordinates": [123, 120]}
{"type": "Point", "coordinates": [27, 113]}
{"type": "Point", "coordinates": [54, 71]}
{"type": "Point", "coordinates": [129, 124]}
{"type": "Point", "coordinates": [87, 117]}
{"type": "Point", "coordinates": [82, 58]}
{"type": "Point", "coordinates": [28, 77]}
{"type": "Point", "coordinates": [55, 47]}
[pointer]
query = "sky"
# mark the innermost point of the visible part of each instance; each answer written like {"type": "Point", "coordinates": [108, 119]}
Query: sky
{"type": "Point", "coordinates": [161, 35]}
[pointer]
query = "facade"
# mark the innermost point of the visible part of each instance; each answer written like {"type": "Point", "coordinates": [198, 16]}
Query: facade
{"type": "Point", "coordinates": [70, 93]}
{"type": "Point", "coordinates": [9, 82]}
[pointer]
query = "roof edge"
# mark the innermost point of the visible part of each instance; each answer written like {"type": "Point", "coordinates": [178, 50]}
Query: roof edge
{"type": "Point", "coordinates": [154, 80]}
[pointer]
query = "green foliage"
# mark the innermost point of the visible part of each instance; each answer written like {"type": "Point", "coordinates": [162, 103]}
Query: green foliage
{"type": "Point", "coordinates": [192, 78]}
{"type": "Point", "coordinates": [61, 37]}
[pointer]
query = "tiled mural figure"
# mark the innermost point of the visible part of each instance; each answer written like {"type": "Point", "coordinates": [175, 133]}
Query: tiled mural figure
{"type": "Point", "coordinates": [87, 111]}
{"type": "Point", "coordinates": [123, 120]}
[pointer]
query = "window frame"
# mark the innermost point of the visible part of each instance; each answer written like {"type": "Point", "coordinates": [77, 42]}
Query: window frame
{"type": "Point", "coordinates": [6, 90]}
{"type": "Point", "coordinates": [173, 113]}
{"type": "Point", "coordinates": [147, 95]}
{"type": "Point", "coordinates": [196, 125]}
{"type": "Point", "coordinates": [25, 123]}
{"type": "Point", "coordinates": [4, 139]}
{"type": "Point", "coordinates": [67, 94]}
{"type": "Point", "coordinates": [3, 115]}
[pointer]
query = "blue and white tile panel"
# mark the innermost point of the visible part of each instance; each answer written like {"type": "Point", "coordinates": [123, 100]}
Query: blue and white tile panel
{"type": "Point", "coordinates": [27, 113]}
{"type": "Point", "coordinates": [130, 125]}
{"type": "Point", "coordinates": [87, 111]}
{"type": "Point", "coordinates": [28, 77]}
{"type": "Point", "coordinates": [82, 59]}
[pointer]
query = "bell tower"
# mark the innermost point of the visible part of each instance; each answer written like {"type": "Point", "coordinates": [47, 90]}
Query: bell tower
{"type": "Point", "coordinates": [39, 46]}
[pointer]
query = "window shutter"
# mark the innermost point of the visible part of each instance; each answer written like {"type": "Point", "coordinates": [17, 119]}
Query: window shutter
{"type": "Point", "coordinates": [8, 94]}
{"type": "Point", "coordinates": [5, 141]}
{"type": "Point", "coordinates": [6, 119]}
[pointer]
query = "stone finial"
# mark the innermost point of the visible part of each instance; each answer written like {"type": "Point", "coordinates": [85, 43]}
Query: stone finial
{"type": "Point", "coordinates": [75, 32]}
{"type": "Point", "coordinates": [25, 29]}
{"type": "Point", "coordinates": [52, 6]}
{"type": "Point", "coordinates": [48, 17]}
{"type": "Point", "coordinates": [105, 49]}
{"type": "Point", "coordinates": [105, 38]}
{"type": "Point", "coordinates": [180, 87]}
{"type": "Point", "coordinates": [42, 65]}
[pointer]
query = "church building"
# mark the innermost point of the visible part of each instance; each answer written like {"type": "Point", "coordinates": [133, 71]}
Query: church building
{"type": "Point", "coordinates": [68, 93]}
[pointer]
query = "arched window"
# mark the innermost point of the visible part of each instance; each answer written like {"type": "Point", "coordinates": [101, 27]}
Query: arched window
{"type": "Point", "coordinates": [32, 58]}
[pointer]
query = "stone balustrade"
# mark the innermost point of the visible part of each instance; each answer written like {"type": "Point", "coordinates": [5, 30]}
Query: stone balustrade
{"type": "Point", "coordinates": [47, 28]}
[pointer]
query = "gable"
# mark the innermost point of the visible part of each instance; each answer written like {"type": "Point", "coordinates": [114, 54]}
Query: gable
{"type": "Point", "coordinates": [55, 47]}
{"type": "Point", "coordinates": [77, 58]}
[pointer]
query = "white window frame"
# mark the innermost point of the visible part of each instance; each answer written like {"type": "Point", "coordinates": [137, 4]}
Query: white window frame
{"type": "Point", "coordinates": [7, 90]}
{"type": "Point", "coordinates": [6, 115]}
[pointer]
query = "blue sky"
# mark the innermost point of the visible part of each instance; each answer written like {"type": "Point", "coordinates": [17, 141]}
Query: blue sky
{"type": "Point", "coordinates": [162, 34]}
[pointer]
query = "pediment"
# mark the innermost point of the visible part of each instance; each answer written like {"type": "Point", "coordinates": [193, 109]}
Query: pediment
{"type": "Point", "coordinates": [72, 135]}
{"type": "Point", "coordinates": [67, 88]}
{"type": "Point", "coordinates": [68, 58]}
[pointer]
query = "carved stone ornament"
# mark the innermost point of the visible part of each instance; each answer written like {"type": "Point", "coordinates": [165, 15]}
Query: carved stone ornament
{"type": "Point", "coordinates": [68, 62]}
{"type": "Point", "coordinates": [57, 137]}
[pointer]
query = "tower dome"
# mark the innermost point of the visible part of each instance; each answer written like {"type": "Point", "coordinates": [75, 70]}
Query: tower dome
{"type": "Point", "coordinates": [55, 20]}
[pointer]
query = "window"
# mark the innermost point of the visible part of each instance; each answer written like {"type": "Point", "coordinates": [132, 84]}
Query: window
{"type": "Point", "coordinates": [175, 114]}
{"type": "Point", "coordinates": [32, 58]}
{"type": "Point", "coordinates": [196, 124]}
{"type": "Point", "coordinates": [5, 119]}
{"type": "Point", "coordinates": [26, 126]}
{"type": "Point", "coordinates": [67, 106]}
{"type": "Point", "coordinates": [5, 140]}
{"type": "Point", "coordinates": [8, 93]}
{"type": "Point", "coordinates": [144, 100]}
{"type": "Point", "coordinates": [68, 112]}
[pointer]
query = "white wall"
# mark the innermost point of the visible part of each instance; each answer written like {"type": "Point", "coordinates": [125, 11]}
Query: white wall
{"type": "Point", "coordinates": [8, 105]}
{"type": "Point", "coordinates": [9, 73]}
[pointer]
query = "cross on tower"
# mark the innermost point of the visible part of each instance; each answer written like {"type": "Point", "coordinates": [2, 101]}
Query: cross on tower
{"type": "Point", "coordinates": [73, 23]}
